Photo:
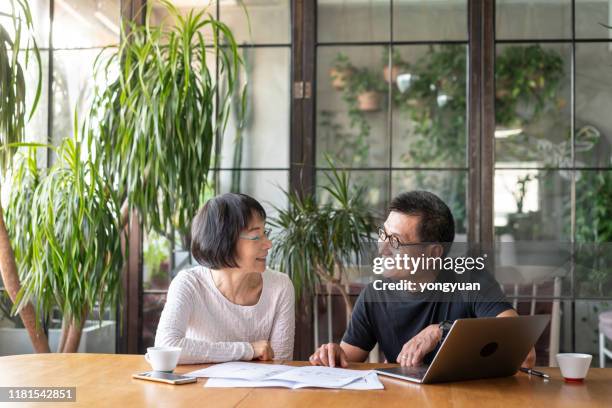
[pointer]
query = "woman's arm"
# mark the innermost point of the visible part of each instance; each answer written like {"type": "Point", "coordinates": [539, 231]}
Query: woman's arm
{"type": "Point", "coordinates": [173, 327]}
{"type": "Point", "coordinates": [283, 327]}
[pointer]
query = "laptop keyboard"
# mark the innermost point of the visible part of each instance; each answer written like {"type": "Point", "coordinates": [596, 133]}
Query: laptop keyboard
{"type": "Point", "coordinates": [413, 372]}
{"type": "Point", "coordinates": [418, 372]}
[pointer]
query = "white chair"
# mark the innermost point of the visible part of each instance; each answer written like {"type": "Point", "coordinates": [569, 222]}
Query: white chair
{"type": "Point", "coordinates": [605, 330]}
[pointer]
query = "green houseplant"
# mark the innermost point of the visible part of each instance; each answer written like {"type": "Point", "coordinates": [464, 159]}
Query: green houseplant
{"type": "Point", "coordinates": [65, 229]}
{"type": "Point", "coordinates": [13, 116]}
{"type": "Point", "coordinates": [393, 57]}
{"type": "Point", "coordinates": [158, 119]}
{"type": "Point", "coordinates": [341, 71]}
{"type": "Point", "coordinates": [317, 242]}
{"type": "Point", "coordinates": [367, 89]}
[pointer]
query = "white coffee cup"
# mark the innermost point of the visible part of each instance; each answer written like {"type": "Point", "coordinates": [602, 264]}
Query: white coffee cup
{"type": "Point", "coordinates": [574, 366]}
{"type": "Point", "coordinates": [163, 358]}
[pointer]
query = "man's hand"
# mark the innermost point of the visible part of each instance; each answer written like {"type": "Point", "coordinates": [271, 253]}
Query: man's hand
{"type": "Point", "coordinates": [262, 350]}
{"type": "Point", "coordinates": [330, 355]}
{"type": "Point", "coordinates": [414, 351]}
{"type": "Point", "coordinates": [530, 359]}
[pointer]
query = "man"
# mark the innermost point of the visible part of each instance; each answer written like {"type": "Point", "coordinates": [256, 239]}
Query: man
{"type": "Point", "coordinates": [409, 326]}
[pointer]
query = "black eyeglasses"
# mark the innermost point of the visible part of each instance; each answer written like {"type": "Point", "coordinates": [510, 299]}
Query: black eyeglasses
{"type": "Point", "coordinates": [266, 233]}
{"type": "Point", "coordinates": [393, 240]}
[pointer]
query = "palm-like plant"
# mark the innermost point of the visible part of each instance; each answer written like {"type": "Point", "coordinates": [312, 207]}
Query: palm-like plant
{"type": "Point", "coordinates": [158, 120]}
{"type": "Point", "coordinates": [317, 242]}
{"type": "Point", "coordinates": [66, 233]}
{"type": "Point", "coordinates": [13, 116]}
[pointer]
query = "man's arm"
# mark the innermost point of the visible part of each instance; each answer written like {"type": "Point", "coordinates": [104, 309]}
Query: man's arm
{"type": "Point", "coordinates": [529, 361]}
{"type": "Point", "coordinates": [332, 354]}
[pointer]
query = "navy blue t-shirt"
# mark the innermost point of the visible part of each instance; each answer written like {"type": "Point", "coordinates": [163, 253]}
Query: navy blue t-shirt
{"type": "Point", "coordinates": [392, 318]}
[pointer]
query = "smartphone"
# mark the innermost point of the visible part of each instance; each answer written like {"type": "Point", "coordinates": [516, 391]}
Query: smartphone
{"type": "Point", "coordinates": [168, 378]}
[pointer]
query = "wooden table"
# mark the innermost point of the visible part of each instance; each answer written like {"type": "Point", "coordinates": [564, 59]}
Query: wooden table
{"type": "Point", "coordinates": [105, 380]}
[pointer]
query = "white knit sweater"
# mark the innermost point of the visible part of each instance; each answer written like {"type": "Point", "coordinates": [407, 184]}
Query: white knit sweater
{"type": "Point", "coordinates": [209, 328]}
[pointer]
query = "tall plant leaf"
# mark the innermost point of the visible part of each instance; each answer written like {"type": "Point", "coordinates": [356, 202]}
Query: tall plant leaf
{"type": "Point", "coordinates": [157, 121]}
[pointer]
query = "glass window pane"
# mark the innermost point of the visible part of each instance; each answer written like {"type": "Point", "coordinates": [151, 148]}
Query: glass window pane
{"type": "Point", "coordinates": [265, 186]}
{"type": "Point", "coordinates": [346, 21]}
{"type": "Point", "coordinates": [262, 140]}
{"type": "Point", "coordinates": [427, 20]}
{"type": "Point", "coordinates": [159, 14]}
{"type": "Point", "coordinates": [260, 14]}
{"type": "Point", "coordinates": [593, 206]}
{"type": "Point", "coordinates": [152, 306]}
{"type": "Point", "coordinates": [40, 20]}
{"type": "Point", "coordinates": [73, 85]}
{"type": "Point", "coordinates": [86, 23]}
{"type": "Point", "coordinates": [594, 268]}
{"type": "Point", "coordinates": [155, 261]}
{"type": "Point", "coordinates": [533, 105]}
{"type": "Point", "coordinates": [594, 233]}
{"type": "Point", "coordinates": [352, 113]}
{"type": "Point", "coordinates": [533, 20]}
{"type": "Point", "coordinates": [586, 327]}
{"type": "Point", "coordinates": [531, 204]}
{"type": "Point", "coordinates": [533, 268]}
{"type": "Point", "coordinates": [375, 182]}
{"type": "Point", "coordinates": [590, 15]}
{"type": "Point", "coordinates": [429, 106]}
{"type": "Point", "coordinates": [37, 128]}
{"type": "Point", "coordinates": [450, 186]}
{"type": "Point", "coordinates": [593, 101]}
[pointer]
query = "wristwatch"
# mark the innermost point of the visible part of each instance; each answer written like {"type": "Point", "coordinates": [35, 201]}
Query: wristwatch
{"type": "Point", "coordinates": [445, 326]}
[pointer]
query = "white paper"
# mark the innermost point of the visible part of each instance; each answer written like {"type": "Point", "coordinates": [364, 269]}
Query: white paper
{"type": "Point", "coordinates": [320, 376]}
{"type": "Point", "coordinates": [369, 382]}
{"type": "Point", "coordinates": [243, 374]}
{"type": "Point", "coordinates": [233, 383]}
{"type": "Point", "coordinates": [241, 370]}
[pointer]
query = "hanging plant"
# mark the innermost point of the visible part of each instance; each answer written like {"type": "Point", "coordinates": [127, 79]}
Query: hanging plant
{"type": "Point", "coordinates": [341, 71]}
{"type": "Point", "coordinates": [526, 77]}
{"type": "Point", "coordinates": [390, 72]}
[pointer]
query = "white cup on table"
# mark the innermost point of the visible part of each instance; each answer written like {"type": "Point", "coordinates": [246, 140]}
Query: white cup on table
{"type": "Point", "coordinates": [163, 358]}
{"type": "Point", "coordinates": [574, 366]}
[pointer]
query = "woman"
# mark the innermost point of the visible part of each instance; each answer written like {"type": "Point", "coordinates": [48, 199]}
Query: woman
{"type": "Point", "coordinates": [231, 307]}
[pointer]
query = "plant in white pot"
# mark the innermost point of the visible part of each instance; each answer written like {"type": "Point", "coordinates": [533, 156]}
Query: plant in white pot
{"type": "Point", "coordinates": [64, 226]}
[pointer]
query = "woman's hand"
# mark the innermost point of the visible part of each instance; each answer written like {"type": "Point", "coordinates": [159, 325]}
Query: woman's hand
{"type": "Point", "coordinates": [262, 350]}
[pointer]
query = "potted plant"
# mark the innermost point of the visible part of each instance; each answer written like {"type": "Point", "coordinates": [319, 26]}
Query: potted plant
{"type": "Point", "coordinates": [64, 226]}
{"type": "Point", "coordinates": [13, 116]}
{"type": "Point", "coordinates": [390, 72]}
{"type": "Point", "coordinates": [367, 88]}
{"type": "Point", "coordinates": [157, 121]}
{"type": "Point", "coordinates": [526, 77]}
{"type": "Point", "coordinates": [318, 242]}
{"type": "Point", "coordinates": [341, 71]}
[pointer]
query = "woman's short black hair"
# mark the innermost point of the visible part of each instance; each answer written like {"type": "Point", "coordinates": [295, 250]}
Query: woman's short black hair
{"type": "Point", "coordinates": [215, 229]}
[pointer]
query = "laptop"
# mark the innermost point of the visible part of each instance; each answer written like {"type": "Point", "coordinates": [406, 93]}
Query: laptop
{"type": "Point", "coordinates": [478, 348]}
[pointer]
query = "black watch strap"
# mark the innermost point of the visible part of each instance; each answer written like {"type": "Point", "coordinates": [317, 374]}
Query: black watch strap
{"type": "Point", "coordinates": [445, 326]}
